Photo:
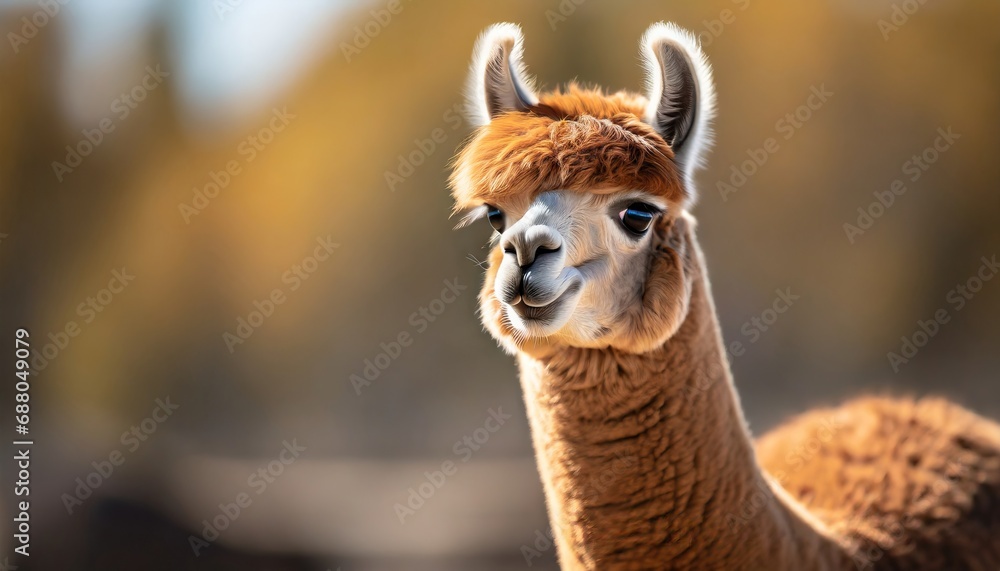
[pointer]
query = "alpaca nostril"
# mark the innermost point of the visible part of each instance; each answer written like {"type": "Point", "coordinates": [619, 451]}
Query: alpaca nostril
{"type": "Point", "coordinates": [528, 261]}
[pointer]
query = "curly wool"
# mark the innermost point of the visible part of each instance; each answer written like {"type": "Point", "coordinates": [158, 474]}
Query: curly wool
{"type": "Point", "coordinates": [579, 140]}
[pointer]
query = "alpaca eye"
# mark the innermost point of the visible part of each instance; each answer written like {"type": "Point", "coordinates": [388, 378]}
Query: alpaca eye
{"type": "Point", "coordinates": [495, 217]}
{"type": "Point", "coordinates": [637, 217]}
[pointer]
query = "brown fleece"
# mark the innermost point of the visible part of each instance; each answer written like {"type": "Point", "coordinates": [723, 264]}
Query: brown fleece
{"type": "Point", "coordinates": [909, 484]}
{"type": "Point", "coordinates": [578, 140]}
{"type": "Point", "coordinates": [642, 447]}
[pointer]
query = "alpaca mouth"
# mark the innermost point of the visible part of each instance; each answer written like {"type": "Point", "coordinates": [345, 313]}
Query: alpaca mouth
{"type": "Point", "coordinates": [531, 313]}
{"type": "Point", "coordinates": [548, 312]}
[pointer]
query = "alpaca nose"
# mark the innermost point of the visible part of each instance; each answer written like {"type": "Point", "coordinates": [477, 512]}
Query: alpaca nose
{"type": "Point", "coordinates": [531, 243]}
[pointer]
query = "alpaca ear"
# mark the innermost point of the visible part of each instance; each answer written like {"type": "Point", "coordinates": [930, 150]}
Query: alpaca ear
{"type": "Point", "coordinates": [681, 94]}
{"type": "Point", "coordinates": [498, 82]}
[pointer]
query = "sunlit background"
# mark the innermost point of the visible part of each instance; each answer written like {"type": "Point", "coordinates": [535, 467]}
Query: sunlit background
{"type": "Point", "coordinates": [284, 164]}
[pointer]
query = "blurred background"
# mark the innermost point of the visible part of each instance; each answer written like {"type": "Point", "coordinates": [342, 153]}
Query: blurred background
{"type": "Point", "coordinates": [225, 224]}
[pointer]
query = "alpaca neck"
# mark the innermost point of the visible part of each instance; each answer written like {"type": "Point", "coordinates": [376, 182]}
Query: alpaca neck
{"type": "Point", "coordinates": [647, 463]}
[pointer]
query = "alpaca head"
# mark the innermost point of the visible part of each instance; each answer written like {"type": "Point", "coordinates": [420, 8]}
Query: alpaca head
{"type": "Point", "coordinates": [586, 195]}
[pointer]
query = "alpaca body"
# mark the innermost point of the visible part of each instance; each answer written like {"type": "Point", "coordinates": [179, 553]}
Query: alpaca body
{"type": "Point", "coordinates": [906, 484]}
{"type": "Point", "coordinates": [597, 283]}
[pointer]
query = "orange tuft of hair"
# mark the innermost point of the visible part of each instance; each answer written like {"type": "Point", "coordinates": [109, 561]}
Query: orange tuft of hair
{"type": "Point", "coordinates": [581, 140]}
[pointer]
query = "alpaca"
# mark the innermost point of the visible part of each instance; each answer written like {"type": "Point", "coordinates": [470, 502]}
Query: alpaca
{"type": "Point", "coordinates": [595, 281]}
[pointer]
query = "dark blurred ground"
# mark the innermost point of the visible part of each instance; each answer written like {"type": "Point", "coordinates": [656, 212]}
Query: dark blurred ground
{"type": "Point", "coordinates": [343, 168]}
